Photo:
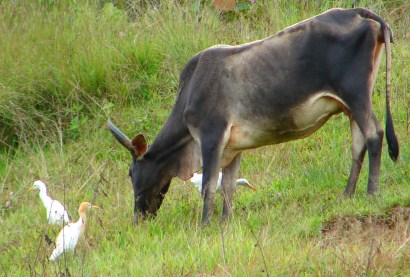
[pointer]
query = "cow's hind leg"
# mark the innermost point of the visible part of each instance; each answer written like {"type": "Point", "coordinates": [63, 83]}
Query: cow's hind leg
{"type": "Point", "coordinates": [358, 153]}
{"type": "Point", "coordinates": [229, 177]}
{"type": "Point", "coordinates": [374, 143]}
{"type": "Point", "coordinates": [373, 136]}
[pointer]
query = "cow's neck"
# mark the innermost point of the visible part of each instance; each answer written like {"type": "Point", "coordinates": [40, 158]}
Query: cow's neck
{"type": "Point", "coordinates": [175, 149]}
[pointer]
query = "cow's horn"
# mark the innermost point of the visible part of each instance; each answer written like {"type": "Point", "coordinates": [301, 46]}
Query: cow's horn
{"type": "Point", "coordinates": [123, 139]}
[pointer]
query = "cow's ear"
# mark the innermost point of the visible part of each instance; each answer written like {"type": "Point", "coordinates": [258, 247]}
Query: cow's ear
{"type": "Point", "coordinates": [139, 145]}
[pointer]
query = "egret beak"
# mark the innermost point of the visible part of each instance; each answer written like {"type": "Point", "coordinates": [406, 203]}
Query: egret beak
{"type": "Point", "coordinates": [251, 187]}
{"type": "Point", "coordinates": [95, 207]}
{"type": "Point", "coordinates": [245, 183]}
{"type": "Point", "coordinates": [30, 189]}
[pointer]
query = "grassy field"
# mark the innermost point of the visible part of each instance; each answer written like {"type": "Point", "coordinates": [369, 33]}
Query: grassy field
{"type": "Point", "coordinates": [67, 66]}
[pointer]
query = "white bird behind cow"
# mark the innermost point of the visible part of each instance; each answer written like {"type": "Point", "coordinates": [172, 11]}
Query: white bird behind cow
{"type": "Point", "coordinates": [68, 237]}
{"type": "Point", "coordinates": [197, 181]}
{"type": "Point", "coordinates": [56, 213]}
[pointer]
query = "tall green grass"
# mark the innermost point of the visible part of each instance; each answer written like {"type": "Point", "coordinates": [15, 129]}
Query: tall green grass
{"type": "Point", "coordinates": [299, 189]}
{"type": "Point", "coordinates": [63, 62]}
{"type": "Point", "coordinates": [67, 59]}
{"type": "Point", "coordinates": [68, 65]}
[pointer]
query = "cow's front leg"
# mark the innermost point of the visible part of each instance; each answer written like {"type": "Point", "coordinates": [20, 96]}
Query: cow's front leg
{"type": "Point", "coordinates": [212, 145]}
{"type": "Point", "coordinates": [208, 194]}
{"type": "Point", "coordinates": [229, 177]}
{"type": "Point", "coordinates": [211, 165]}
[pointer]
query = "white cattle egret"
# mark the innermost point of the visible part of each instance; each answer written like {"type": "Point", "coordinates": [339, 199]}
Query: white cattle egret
{"type": "Point", "coordinates": [197, 181]}
{"type": "Point", "coordinates": [56, 213]}
{"type": "Point", "coordinates": [68, 237]}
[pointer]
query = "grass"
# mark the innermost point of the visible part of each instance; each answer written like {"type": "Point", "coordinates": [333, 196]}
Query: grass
{"type": "Point", "coordinates": [68, 66]}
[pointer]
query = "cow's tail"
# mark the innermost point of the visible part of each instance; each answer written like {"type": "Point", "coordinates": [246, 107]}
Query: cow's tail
{"type": "Point", "coordinates": [387, 38]}
{"type": "Point", "coordinates": [392, 141]}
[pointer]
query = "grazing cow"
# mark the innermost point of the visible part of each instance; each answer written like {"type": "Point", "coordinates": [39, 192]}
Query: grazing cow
{"type": "Point", "coordinates": [282, 88]}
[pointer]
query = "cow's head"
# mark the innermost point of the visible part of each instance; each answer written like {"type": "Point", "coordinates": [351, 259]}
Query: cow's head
{"type": "Point", "coordinates": [150, 181]}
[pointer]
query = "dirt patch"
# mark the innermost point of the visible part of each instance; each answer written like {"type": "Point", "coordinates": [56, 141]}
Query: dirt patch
{"type": "Point", "coordinates": [392, 226]}
{"type": "Point", "coordinates": [389, 221]}
{"type": "Point", "coordinates": [368, 244]}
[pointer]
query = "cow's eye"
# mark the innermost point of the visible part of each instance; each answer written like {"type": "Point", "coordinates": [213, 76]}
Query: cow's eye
{"type": "Point", "coordinates": [129, 173]}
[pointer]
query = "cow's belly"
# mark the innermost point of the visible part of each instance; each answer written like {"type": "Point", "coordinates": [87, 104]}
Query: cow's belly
{"type": "Point", "coordinates": [300, 122]}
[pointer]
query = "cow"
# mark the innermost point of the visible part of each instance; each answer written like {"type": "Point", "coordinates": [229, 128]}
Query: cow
{"type": "Point", "coordinates": [270, 91]}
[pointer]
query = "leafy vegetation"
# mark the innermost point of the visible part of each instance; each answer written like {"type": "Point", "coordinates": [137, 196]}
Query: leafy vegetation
{"type": "Point", "coordinates": [66, 66]}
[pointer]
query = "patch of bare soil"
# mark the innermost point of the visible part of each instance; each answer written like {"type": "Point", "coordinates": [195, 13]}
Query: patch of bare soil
{"type": "Point", "coordinates": [393, 220]}
{"type": "Point", "coordinates": [372, 244]}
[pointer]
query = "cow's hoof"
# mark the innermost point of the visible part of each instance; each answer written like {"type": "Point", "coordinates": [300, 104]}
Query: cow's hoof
{"type": "Point", "coordinates": [205, 222]}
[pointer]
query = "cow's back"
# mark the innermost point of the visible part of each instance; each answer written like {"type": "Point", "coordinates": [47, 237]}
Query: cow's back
{"type": "Point", "coordinates": [283, 87]}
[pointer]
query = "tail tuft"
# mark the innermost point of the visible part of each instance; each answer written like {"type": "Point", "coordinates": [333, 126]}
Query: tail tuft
{"type": "Point", "coordinates": [392, 142]}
